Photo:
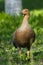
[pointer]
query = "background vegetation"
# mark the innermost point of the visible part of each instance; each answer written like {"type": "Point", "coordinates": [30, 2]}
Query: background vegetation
{"type": "Point", "coordinates": [8, 24]}
{"type": "Point", "coordinates": [2, 5]}
{"type": "Point", "coordinates": [31, 5]}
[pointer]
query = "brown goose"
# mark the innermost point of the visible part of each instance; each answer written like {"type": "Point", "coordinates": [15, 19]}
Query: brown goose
{"type": "Point", "coordinates": [24, 36]}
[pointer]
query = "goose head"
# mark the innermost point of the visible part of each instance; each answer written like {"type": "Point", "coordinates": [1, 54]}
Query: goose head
{"type": "Point", "coordinates": [26, 12]}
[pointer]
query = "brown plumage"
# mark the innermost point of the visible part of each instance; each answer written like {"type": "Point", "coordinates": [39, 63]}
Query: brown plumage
{"type": "Point", "coordinates": [24, 36]}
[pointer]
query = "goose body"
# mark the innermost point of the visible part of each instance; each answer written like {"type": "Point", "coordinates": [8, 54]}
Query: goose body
{"type": "Point", "coordinates": [24, 36]}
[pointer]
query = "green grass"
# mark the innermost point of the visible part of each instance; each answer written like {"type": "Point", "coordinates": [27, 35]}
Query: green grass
{"type": "Point", "coordinates": [8, 53]}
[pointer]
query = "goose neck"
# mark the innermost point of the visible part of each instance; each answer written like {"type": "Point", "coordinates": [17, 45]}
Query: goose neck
{"type": "Point", "coordinates": [26, 17]}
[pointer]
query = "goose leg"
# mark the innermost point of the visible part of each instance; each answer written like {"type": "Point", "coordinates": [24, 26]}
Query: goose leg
{"type": "Point", "coordinates": [28, 56]}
